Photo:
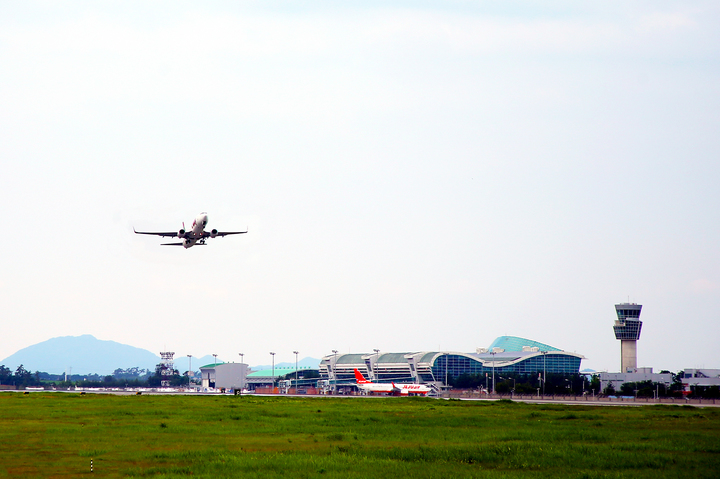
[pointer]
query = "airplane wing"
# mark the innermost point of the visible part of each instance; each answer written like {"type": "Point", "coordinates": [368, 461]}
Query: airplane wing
{"type": "Point", "coordinates": [210, 234]}
{"type": "Point", "coordinates": [170, 234]}
{"type": "Point", "coordinates": [225, 233]}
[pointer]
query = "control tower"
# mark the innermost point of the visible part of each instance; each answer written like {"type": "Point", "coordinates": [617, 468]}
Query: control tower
{"type": "Point", "coordinates": [627, 330]}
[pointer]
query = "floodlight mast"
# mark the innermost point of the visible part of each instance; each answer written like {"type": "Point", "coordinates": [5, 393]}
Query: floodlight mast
{"type": "Point", "coordinates": [242, 369]}
{"type": "Point", "coordinates": [189, 368]}
{"type": "Point", "coordinates": [544, 378]}
{"type": "Point", "coordinates": [296, 371]}
{"type": "Point", "coordinates": [493, 371]}
{"type": "Point", "coordinates": [447, 386]}
{"type": "Point", "coordinates": [334, 370]}
{"type": "Point", "coordinates": [377, 366]}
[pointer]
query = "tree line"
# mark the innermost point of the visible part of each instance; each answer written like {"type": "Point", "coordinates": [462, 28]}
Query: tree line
{"type": "Point", "coordinates": [121, 378]}
{"type": "Point", "coordinates": [21, 378]}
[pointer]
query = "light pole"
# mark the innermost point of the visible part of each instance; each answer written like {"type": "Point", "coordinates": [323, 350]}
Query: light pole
{"type": "Point", "coordinates": [189, 369]}
{"type": "Point", "coordinates": [377, 360]}
{"type": "Point", "coordinates": [446, 370]}
{"type": "Point", "coordinates": [493, 355]}
{"type": "Point", "coordinates": [214, 370]}
{"type": "Point", "coordinates": [513, 389]}
{"type": "Point", "coordinates": [296, 375]}
{"type": "Point", "coordinates": [334, 369]}
{"type": "Point", "coordinates": [273, 371]}
{"type": "Point", "coordinates": [544, 378]}
{"type": "Point", "coordinates": [242, 369]}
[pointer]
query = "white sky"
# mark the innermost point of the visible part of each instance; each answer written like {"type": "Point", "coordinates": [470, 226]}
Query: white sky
{"type": "Point", "coordinates": [415, 175]}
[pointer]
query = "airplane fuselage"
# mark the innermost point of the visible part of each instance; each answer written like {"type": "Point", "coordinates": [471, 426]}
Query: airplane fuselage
{"type": "Point", "coordinates": [190, 238]}
{"type": "Point", "coordinates": [199, 223]}
{"type": "Point", "coordinates": [392, 388]}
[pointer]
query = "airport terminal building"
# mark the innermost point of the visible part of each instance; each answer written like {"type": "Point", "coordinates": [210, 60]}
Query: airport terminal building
{"type": "Point", "coordinates": [507, 354]}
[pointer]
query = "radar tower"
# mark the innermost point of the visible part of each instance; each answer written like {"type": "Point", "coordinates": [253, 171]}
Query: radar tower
{"type": "Point", "coordinates": [166, 368]}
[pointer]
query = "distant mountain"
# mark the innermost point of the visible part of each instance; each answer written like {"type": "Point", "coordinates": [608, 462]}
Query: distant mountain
{"type": "Point", "coordinates": [84, 354]}
{"type": "Point", "coordinates": [88, 355]}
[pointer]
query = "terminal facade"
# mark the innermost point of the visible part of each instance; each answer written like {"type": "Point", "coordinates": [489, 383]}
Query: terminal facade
{"type": "Point", "coordinates": [507, 354]}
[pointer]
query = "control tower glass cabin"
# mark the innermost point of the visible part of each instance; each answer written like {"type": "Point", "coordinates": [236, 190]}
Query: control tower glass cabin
{"type": "Point", "coordinates": [627, 330]}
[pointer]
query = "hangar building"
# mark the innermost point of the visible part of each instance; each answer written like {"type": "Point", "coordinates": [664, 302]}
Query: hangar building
{"type": "Point", "coordinates": [224, 375]}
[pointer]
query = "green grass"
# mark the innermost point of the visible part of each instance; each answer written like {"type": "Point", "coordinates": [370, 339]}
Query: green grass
{"type": "Point", "coordinates": [56, 435]}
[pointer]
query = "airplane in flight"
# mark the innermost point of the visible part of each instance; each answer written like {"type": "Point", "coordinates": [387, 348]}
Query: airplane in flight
{"type": "Point", "coordinates": [195, 236]}
{"type": "Point", "coordinates": [394, 389]}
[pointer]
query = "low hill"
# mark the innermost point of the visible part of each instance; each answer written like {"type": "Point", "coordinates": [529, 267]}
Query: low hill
{"type": "Point", "coordinates": [84, 354]}
{"type": "Point", "coordinates": [88, 355]}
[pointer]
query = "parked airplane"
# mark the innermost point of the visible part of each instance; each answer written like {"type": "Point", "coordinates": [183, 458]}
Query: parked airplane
{"type": "Point", "coordinates": [196, 235]}
{"type": "Point", "coordinates": [395, 389]}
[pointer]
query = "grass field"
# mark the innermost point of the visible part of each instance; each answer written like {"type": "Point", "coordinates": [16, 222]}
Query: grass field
{"type": "Point", "coordinates": [57, 434]}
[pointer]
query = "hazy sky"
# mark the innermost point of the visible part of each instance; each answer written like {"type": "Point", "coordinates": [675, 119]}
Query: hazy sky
{"type": "Point", "coordinates": [414, 175]}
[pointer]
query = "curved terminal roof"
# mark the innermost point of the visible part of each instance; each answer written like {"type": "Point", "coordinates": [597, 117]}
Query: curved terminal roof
{"type": "Point", "coordinates": [512, 356]}
{"type": "Point", "coordinates": [350, 359]}
{"type": "Point", "coordinates": [427, 357]}
{"type": "Point", "coordinates": [514, 343]}
{"type": "Point", "coordinates": [211, 365]}
{"type": "Point", "coordinates": [393, 358]}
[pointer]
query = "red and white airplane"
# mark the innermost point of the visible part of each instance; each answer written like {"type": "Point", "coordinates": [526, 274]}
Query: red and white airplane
{"type": "Point", "coordinates": [196, 235]}
{"type": "Point", "coordinates": [395, 389]}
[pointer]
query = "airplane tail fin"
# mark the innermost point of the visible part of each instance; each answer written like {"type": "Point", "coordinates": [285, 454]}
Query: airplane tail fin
{"type": "Point", "coordinates": [359, 378]}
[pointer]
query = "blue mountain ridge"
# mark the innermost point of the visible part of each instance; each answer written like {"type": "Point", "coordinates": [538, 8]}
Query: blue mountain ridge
{"type": "Point", "coordinates": [88, 355]}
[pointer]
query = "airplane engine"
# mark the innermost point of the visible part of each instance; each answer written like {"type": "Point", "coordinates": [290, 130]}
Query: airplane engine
{"type": "Point", "coordinates": [213, 233]}
{"type": "Point", "coordinates": [181, 233]}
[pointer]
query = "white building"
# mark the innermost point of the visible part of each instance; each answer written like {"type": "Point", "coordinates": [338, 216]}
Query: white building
{"type": "Point", "coordinates": [637, 375]}
{"type": "Point", "coordinates": [700, 377]}
{"type": "Point", "coordinates": [224, 375]}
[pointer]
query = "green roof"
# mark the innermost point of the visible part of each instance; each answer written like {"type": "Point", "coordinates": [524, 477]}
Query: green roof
{"type": "Point", "coordinates": [351, 359]}
{"type": "Point", "coordinates": [393, 358]}
{"type": "Point", "coordinates": [266, 373]}
{"type": "Point", "coordinates": [383, 358]}
{"type": "Point", "coordinates": [427, 357]}
{"type": "Point", "coordinates": [513, 343]}
{"type": "Point", "coordinates": [212, 365]}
